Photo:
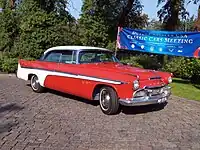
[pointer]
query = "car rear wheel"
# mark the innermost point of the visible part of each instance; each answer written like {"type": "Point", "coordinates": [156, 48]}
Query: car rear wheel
{"type": "Point", "coordinates": [35, 85]}
{"type": "Point", "coordinates": [108, 101]}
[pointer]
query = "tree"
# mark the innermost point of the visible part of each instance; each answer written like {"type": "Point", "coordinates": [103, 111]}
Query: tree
{"type": "Point", "coordinates": [39, 30]}
{"type": "Point", "coordinates": [8, 26]}
{"type": "Point", "coordinates": [100, 19]}
{"type": "Point", "coordinates": [170, 12]}
{"type": "Point", "coordinates": [29, 30]}
{"type": "Point", "coordinates": [197, 21]}
{"type": "Point", "coordinates": [154, 25]}
{"type": "Point", "coordinates": [187, 24]}
{"type": "Point", "coordinates": [57, 6]}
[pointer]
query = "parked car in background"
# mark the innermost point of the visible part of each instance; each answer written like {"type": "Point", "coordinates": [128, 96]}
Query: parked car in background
{"type": "Point", "coordinates": [95, 74]}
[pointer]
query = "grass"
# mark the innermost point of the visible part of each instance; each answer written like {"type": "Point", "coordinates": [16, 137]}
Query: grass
{"type": "Point", "coordinates": [185, 89]}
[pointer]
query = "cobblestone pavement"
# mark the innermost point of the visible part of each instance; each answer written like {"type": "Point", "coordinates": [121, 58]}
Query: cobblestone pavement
{"type": "Point", "coordinates": [57, 121]}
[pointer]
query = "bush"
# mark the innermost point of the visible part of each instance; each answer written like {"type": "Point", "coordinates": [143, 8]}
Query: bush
{"type": "Point", "coordinates": [178, 67]}
{"type": "Point", "coordinates": [185, 68]}
{"type": "Point", "coordinates": [195, 78]}
{"type": "Point", "coordinates": [144, 61]}
{"type": "Point", "coordinates": [9, 65]}
{"type": "Point", "coordinates": [132, 61]}
{"type": "Point", "coordinates": [149, 62]}
{"type": "Point", "coordinates": [1, 60]}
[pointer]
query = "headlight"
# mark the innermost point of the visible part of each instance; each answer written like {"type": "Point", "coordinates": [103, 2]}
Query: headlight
{"type": "Point", "coordinates": [170, 80]}
{"type": "Point", "coordinates": [136, 84]}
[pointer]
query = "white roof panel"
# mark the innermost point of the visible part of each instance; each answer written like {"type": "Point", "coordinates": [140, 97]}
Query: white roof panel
{"type": "Point", "coordinates": [75, 48]}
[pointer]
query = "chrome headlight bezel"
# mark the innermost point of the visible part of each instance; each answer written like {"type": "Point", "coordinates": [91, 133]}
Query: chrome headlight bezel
{"type": "Point", "coordinates": [170, 80]}
{"type": "Point", "coordinates": [136, 85]}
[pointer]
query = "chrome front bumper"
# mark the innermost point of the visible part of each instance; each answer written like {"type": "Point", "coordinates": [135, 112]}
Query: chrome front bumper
{"type": "Point", "coordinates": [147, 100]}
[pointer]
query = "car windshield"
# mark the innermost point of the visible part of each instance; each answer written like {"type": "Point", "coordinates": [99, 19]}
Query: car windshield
{"type": "Point", "coordinates": [92, 56]}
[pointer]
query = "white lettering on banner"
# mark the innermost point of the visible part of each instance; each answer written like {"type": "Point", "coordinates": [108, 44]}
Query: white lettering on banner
{"type": "Point", "coordinates": [185, 40]}
{"type": "Point", "coordinates": [160, 34]}
{"type": "Point", "coordinates": [151, 39]}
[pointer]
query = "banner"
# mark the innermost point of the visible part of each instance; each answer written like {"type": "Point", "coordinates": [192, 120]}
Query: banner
{"type": "Point", "coordinates": [160, 42]}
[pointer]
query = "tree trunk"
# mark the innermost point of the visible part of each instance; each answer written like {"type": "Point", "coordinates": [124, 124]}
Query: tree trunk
{"type": "Point", "coordinates": [197, 22]}
{"type": "Point", "coordinates": [124, 13]}
{"type": "Point", "coordinates": [12, 4]}
{"type": "Point", "coordinates": [173, 21]}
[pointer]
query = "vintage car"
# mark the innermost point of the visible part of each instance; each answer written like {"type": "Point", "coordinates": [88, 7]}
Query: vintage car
{"type": "Point", "coordinates": [95, 74]}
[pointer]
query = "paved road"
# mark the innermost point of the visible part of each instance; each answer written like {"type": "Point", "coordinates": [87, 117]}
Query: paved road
{"type": "Point", "coordinates": [57, 121]}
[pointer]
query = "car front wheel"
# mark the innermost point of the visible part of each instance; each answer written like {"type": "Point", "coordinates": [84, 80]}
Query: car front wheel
{"type": "Point", "coordinates": [108, 101]}
{"type": "Point", "coordinates": [35, 85]}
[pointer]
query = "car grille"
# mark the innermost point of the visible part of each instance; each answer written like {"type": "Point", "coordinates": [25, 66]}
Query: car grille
{"type": "Point", "coordinates": [149, 91]}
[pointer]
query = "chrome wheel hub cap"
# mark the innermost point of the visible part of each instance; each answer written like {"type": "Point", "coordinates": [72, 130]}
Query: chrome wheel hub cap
{"type": "Point", "coordinates": [35, 83]}
{"type": "Point", "coordinates": [104, 99]}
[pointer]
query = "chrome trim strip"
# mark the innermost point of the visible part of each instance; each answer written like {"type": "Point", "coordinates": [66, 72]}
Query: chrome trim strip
{"type": "Point", "coordinates": [92, 78]}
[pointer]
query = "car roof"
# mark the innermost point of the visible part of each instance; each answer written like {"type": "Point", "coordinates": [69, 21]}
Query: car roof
{"type": "Point", "coordinates": [76, 48]}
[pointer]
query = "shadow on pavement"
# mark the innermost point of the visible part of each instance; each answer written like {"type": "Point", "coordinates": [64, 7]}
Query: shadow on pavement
{"type": "Point", "coordinates": [7, 127]}
{"type": "Point", "coordinates": [9, 107]}
{"type": "Point", "coordinates": [94, 103]}
{"type": "Point", "coordinates": [124, 109]}
{"type": "Point", "coordinates": [142, 109]}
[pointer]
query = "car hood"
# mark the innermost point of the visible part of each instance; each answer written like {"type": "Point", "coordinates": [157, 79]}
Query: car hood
{"type": "Point", "coordinates": [142, 74]}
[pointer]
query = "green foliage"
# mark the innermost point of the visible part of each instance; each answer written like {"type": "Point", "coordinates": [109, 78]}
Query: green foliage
{"type": "Point", "coordinates": [39, 30]}
{"type": "Point", "coordinates": [184, 68]}
{"type": "Point", "coordinates": [132, 61]}
{"type": "Point", "coordinates": [170, 13]}
{"type": "Point", "coordinates": [33, 26]}
{"type": "Point", "coordinates": [149, 62]}
{"type": "Point", "coordinates": [93, 31]}
{"type": "Point", "coordinates": [144, 61]}
{"type": "Point", "coordinates": [195, 78]}
{"type": "Point", "coordinates": [179, 67]}
{"type": "Point", "coordinates": [9, 65]}
{"type": "Point", "coordinates": [154, 25]}
{"type": "Point", "coordinates": [188, 24]}
{"type": "Point", "coordinates": [8, 29]}
{"type": "Point", "coordinates": [1, 60]}
{"type": "Point", "coordinates": [111, 45]}
{"type": "Point", "coordinates": [29, 30]}
{"type": "Point", "coordinates": [100, 19]}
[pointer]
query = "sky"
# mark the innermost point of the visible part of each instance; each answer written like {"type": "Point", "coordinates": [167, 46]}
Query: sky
{"type": "Point", "coordinates": [150, 9]}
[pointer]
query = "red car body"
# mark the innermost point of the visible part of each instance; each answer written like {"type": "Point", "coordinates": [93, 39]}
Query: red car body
{"type": "Point", "coordinates": [86, 79]}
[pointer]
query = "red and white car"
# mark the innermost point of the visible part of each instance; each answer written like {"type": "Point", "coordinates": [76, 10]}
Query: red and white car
{"type": "Point", "coordinates": [95, 74]}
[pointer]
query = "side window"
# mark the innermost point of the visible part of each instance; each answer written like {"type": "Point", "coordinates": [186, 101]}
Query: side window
{"type": "Point", "coordinates": [87, 57]}
{"type": "Point", "coordinates": [53, 57]}
{"type": "Point", "coordinates": [68, 57]}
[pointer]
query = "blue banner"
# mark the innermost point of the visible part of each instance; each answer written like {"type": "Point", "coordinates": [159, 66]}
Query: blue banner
{"type": "Point", "coordinates": [160, 42]}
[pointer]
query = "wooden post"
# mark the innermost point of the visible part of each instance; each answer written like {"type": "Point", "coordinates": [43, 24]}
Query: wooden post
{"type": "Point", "coordinates": [12, 4]}
{"type": "Point", "coordinates": [117, 41]}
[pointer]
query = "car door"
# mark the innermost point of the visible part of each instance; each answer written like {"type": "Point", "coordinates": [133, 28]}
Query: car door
{"type": "Point", "coordinates": [49, 66]}
{"type": "Point", "coordinates": [67, 81]}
